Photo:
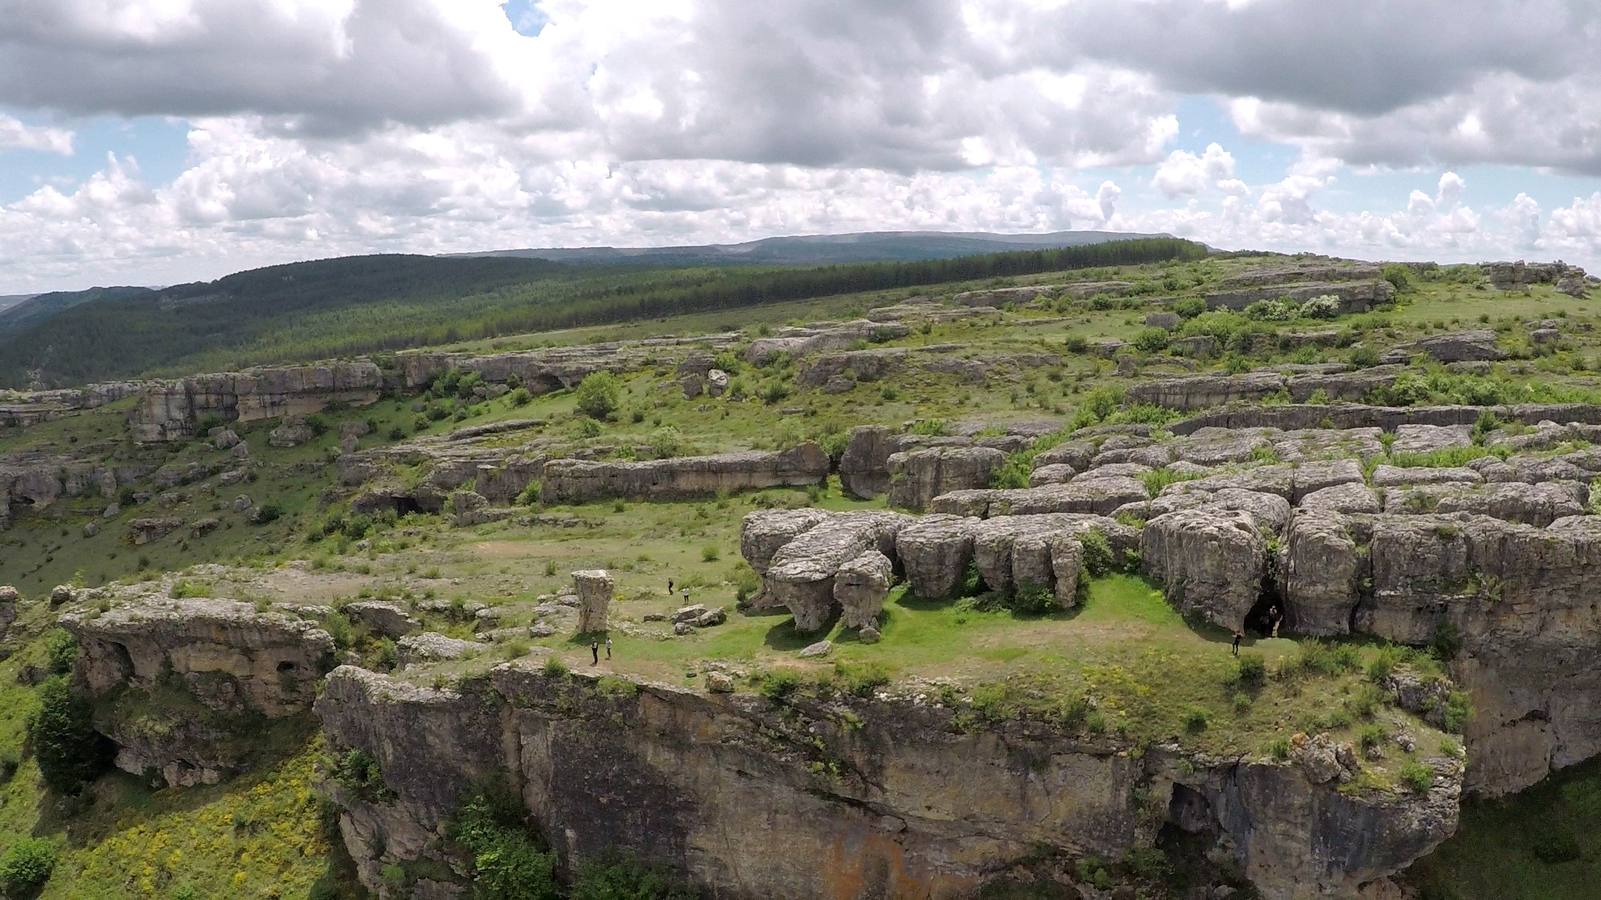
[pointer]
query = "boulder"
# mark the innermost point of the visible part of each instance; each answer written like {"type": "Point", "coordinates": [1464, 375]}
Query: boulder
{"type": "Point", "coordinates": [918, 476]}
{"type": "Point", "coordinates": [418, 649]}
{"type": "Point", "coordinates": [382, 617]}
{"type": "Point", "coordinates": [1342, 498]}
{"type": "Point", "coordinates": [61, 595]}
{"type": "Point", "coordinates": [1412, 438]}
{"type": "Point", "coordinates": [860, 587]}
{"type": "Point", "coordinates": [935, 551]}
{"type": "Point", "coordinates": [817, 650]}
{"type": "Point", "coordinates": [1210, 562]}
{"type": "Point", "coordinates": [1403, 476]}
{"type": "Point", "coordinates": [1023, 553]}
{"type": "Point", "coordinates": [764, 532]}
{"type": "Point", "coordinates": [594, 589]}
{"type": "Point", "coordinates": [292, 433]}
{"type": "Point", "coordinates": [1322, 572]}
{"type": "Point", "coordinates": [143, 531]}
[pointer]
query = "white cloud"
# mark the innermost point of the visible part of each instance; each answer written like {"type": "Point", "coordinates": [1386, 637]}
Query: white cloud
{"type": "Point", "coordinates": [17, 135]}
{"type": "Point", "coordinates": [1184, 173]}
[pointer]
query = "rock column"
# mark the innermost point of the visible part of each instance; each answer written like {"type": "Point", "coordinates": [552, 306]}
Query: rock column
{"type": "Point", "coordinates": [594, 589]}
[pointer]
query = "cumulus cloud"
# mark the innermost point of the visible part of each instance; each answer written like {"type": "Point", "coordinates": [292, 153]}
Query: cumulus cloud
{"type": "Point", "coordinates": [17, 135]}
{"type": "Point", "coordinates": [1184, 173]}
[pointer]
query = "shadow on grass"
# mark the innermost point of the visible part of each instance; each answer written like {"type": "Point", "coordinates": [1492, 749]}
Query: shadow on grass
{"type": "Point", "coordinates": [784, 636]}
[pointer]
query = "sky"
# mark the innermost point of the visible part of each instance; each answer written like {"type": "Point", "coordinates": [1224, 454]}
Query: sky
{"type": "Point", "coordinates": [161, 141]}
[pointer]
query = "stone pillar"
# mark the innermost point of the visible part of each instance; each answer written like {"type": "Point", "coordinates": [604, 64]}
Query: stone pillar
{"type": "Point", "coordinates": [594, 589]}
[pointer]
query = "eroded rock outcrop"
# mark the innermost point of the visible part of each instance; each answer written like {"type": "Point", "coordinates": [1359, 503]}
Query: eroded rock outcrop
{"type": "Point", "coordinates": [681, 478]}
{"type": "Point", "coordinates": [1210, 561]}
{"type": "Point", "coordinates": [594, 590]}
{"type": "Point", "coordinates": [181, 686]}
{"type": "Point", "coordinates": [172, 410]}
{"type": "Point", "coordinates": [918, 476]}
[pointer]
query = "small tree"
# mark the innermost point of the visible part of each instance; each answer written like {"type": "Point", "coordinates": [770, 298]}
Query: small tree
{"type": "Point", "coordinates": [599, 395]}
{"type": "Point", "coordinates": [70, 752]}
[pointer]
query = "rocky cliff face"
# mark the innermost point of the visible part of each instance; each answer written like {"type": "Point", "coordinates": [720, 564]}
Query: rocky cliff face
{"type": "Point", "coordinates": [182, 687]}
{"type": "Point", "coordinates": [171, 410]}
{"type": "Point", "coordinates": [756, 799]}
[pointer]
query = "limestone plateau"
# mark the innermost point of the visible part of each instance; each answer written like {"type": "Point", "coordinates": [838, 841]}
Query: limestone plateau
{"type": "Point", "coordinates": [783, 661]}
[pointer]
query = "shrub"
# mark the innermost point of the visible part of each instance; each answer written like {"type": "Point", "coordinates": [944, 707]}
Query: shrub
{"type": "Point", "coordinates": [1251, 669]}
{"type": "Point", "coordinates": [1098, 557]}
{"type": "Point", "coordinates": [1032, 599]}
{"type": "Point", "coordinates": [620, 878]}
{"type": "Point", "coordinates": [555, 668]}
{"type": "Point", "coordinates": [779, 685]}
{"type": "Point", "coordinates": [1416, 776]}
{"type": "Point", "coordinates": [599, 394]}
{"type": "Point", "coordinates": [507, 863]}
{"type": "Point", "coordinates": [1282, 309]}
{"type": "Point", "coordinates": [26, 866]}
{"type": "Point", "coordinates": [1151, 340]}
{"type": "Point", "coordinates": [1190, 307]}
{"type": "Point", "coordinates": [1447, 642]}
{"type": "Point", "coordinates": [359, 772]}
{"type": "Point", "coordinates": [709, 553]}
{"type": "Point", "coordinates": [60, 651]}
{"type": "Point", "coordinates": [520, 397]}
{"type": "Point", "coordinates": [1399, 276]}
{"type": "Point", "coordinates": [1326, 306]}
{"type": "Point", "coordinates": [930, 427]}
{"type": "Point", "coordinates": [1195, 720]}
{"type": "Point", "coordinates": [267, 512]}
{"type": "Point", "coordinates": [70, 752]}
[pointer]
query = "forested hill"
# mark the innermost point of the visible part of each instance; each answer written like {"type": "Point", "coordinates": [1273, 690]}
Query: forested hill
{"type": "Point", "coordinates": [363, 304]}
{"type": "Point", "coordinates": [823, 249]}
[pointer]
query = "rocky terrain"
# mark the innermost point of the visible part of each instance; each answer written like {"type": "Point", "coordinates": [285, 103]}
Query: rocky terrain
{"type": "Point", "coordinates": [951, 583]}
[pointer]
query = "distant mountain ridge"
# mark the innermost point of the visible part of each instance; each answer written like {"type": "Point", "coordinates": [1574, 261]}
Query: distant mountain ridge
{"type": "Point", "coordinates": [9, 300]}
{"type": "Point", "coordinates": [823, 249]}
{"type": "Point", "coordinates": [42, 307]}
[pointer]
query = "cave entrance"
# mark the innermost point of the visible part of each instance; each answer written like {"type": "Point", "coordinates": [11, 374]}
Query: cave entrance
{"type": "Point", "coordinates": [1269, 609]}
{"type": "Point", "coordinates": [543, 383]}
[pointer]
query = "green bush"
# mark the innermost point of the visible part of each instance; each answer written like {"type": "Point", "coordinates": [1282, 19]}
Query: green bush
{"type": "Point", "coordinates": [555, 668]}
{"type": "Point", "coordinates": [1251, 669]}
{"type": "Point", "coordinates": [1098, 557]}
{"type": "Point", "coordinates": [1416, 776]}
{"type": "Point", "coordinates": [1032, 600]}
{"type": "Point", "coordinates": [1399, 276]}
{"type": "Point", "coordinates": [60, 651]}
{"type": "Point", "coordinates": [1190, 307]}
{"type": "Point", "coordinates": [358, 771]}
{"type": "Point", "coordinates": [1151, 340]}
{"type": "Point", "coordinates": [779, 684]}
{"type": "Point", "coordinates": [625, 879]}
{"type": "Point", "coordinates": [26, 866]}
{"type": "Point", "coordinates": [508, 864]}
{"type": "Point", "coordinates": [599, 394]}
{"type": "Point", "coordinates": [70, 752]}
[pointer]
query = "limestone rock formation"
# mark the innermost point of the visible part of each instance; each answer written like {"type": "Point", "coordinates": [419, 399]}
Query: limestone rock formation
{"type": "Point", "coordinates": [763, 532]}
{"type": "Point", "coordinates": [800, 576]}
{"type": "Point", "coordinates": [918, 476]}
{"type": "Point", "coordinates": [1461, 346]}
{"type": "Point", "coordinates": [417, 649]}
{"type": "Point", "coordinates": [235, 663]}
{"type": "Point", "coordinates": [9, 599]}
{"type": "Point", "coordinates": [1211, 562]}
{"type": "Point", "coordinates": [594, 590]}
{"type": "Point", "coordinates": [709, 784]}
{"type": "Point", "coordinates": [582, 481]}
{"type": "Point", "coordinates": [936, 551]}
{"type": "Point", "coordinates": [384, 618]}
{"type": "Point", "coordinates": [861, 586]}
{"type": "Point", "coordinates": [171, 410]}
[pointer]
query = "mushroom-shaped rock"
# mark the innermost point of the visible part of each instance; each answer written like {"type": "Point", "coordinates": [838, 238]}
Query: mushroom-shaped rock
{"type": "Point", "coordinates": [1210, 561]}
{"type": "Point", "coordinates": [860, 587]}
{"type": "Point", "coordinates": [801, 576]}
{"type": "Point", "coordinates": [594, 589]}
{"type": "Point", "coordinates": [935, 551]}
{"type": "Point", "coordinates": [763, 532]}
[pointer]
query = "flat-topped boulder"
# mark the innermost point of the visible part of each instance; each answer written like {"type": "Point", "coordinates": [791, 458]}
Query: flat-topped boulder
{"type": "Point", "coordinates": [682, 478]}
{"type": "Point", "coordinates": [764, 532]}
{"type": "Point", "coordinates": [429, 646]}
{"type": "Point", "coordinates": [1100, 496]}
{"type": "Point", "coordinates": [836, 336]}
{"type": "Point", "coordinates": [918, 476]}
{"type": "Point", "coordinates": [384, 618]}
{"type": "Point", "coordinates": [1461, 346]}
{"type": "Point", "coordinates": [935, 551]}
{"type": "Point", "coordinates": [1532, 504]}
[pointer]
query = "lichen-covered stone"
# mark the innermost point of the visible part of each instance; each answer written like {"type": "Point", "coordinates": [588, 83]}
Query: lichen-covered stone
{"type": "Point", "coordinates": [918, 476]}
{"type": "Point", "coordinates": [1211, 562]}
{"type": "Point", "coordinates": [935, 552]}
